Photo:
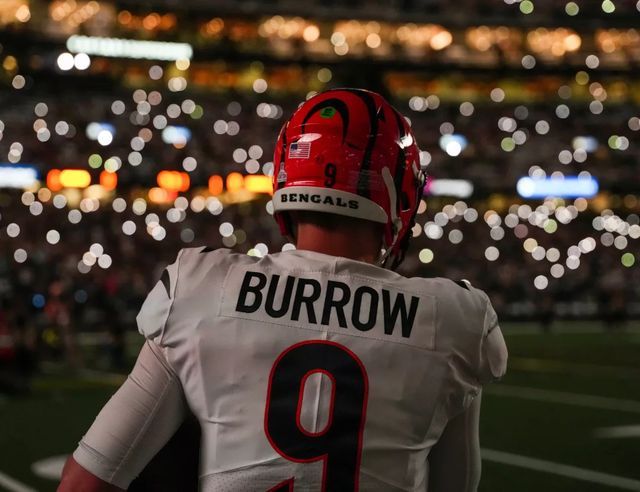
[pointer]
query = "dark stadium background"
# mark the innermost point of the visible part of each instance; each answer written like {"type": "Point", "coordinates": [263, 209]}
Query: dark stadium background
{"type": "Point", "coordinates": [113, 156]}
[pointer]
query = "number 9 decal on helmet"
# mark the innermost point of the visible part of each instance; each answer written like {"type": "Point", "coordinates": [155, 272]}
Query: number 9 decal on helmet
{"type": "Point", "coordinates": [349, 152]}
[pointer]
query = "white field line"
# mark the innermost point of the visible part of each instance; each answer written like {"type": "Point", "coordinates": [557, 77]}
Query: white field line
{"type": "Point", "coordinates": [12, 485]}
{"type": "Point", "coordinates": [560, 469]}
{"type": "Point", "coordinates": [576, 399]}
{"type": "Point", "coordinates": [50, 468]}
{"type": "Point", "coordinates": [617, 432]}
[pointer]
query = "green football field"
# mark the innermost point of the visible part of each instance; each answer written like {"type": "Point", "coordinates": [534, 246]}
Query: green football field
{"type": "Point", "coordinates": [565, 418]}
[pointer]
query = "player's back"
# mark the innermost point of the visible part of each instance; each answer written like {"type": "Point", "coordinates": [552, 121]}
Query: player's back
{"type": "Point", "coordinates": [319, 371]}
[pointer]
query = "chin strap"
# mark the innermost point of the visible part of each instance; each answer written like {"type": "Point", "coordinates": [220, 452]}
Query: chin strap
{"type": "Point", "coordinates": [383, 256]}
{"type": "Point", "coordinates": [389, 261]}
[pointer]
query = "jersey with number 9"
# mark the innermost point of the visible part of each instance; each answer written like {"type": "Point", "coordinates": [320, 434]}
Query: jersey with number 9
{"type": "Point", "coordinates": [309, 372]}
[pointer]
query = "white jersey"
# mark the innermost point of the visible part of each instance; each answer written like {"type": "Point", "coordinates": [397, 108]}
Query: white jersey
{"type": "Point", "coordinates": [310, 372]}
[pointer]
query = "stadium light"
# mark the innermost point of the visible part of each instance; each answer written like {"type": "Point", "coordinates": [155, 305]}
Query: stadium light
{"type": "Point", "coordinates": [460, 188]}
{"type": "Point", "coordinates": [108, 180]}
{"type": "Point", "coordinates": [53, 180]}
{"type": "Point", "coordinates": [173, 180]}
{"type": "Point", "coordinates": [102, 132]}
{"type": "Point", "coordinates": [587, 143]}
{"type": "Point", "coordinates": [20, 177]}
{"type": "Point", "coordinates": [567, 187]}
{"type": "Point", "coordinates": [216, 184]}
{"type": "Point", "coordinates": [160, 195]}
{"type": "Point", "coordinates": [453, 144]}
{"type": "Point", "coordinates": [129, 48]}
{"type": "Point", "coordinates": [235, 182]}
{"type": "Point", "coordinates": [177, 135]}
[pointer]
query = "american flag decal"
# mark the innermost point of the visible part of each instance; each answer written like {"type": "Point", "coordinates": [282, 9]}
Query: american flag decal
{"type": "Point", "coordinates": [299, 150]}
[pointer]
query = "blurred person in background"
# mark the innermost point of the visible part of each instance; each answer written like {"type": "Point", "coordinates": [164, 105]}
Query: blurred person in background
{"type": "Point", "coordinates": [319, 367]}
{"type": "Point", "coordinates": [17, 347]}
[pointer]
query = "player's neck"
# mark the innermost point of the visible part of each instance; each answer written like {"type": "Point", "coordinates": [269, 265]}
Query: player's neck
{"type": "Point", "coordinates": [339, 242]}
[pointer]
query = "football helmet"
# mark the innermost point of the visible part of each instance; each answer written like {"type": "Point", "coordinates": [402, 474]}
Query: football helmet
{"type": "Point", "coordinates": [349, 152]}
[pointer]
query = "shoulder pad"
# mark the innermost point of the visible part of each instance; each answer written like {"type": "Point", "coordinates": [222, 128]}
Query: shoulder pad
{"type": "Point", "coordinates": [465, 284]}
{"type": "Point", "coordinates": [155, 310]}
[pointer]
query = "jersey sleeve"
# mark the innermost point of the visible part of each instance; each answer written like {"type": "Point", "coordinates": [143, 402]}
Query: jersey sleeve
{"type": "Point", "coordinates": [493, 348]}
{"type": "Point", "coordinates": [136, 422]}
{"type": "Point", "coordinates": [155, 310]}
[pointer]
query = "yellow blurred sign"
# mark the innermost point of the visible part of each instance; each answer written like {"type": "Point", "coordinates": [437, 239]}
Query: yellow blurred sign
{"type": "Point", "coordinates": [258, 184]}
{"type": "Point", "coordinates": [68, 178]}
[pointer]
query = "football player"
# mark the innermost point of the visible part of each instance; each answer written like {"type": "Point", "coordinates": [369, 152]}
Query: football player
{"type": "Point", "coordinates": [317, 369]}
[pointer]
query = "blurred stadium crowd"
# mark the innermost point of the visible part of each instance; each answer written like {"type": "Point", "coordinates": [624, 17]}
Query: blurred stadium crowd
{"type": "Point", "coordinates": [489, 104]}
{"type": "Point", "coordinates": [493, 139]}
{"type": "Point", "coordinates": [92, 273]}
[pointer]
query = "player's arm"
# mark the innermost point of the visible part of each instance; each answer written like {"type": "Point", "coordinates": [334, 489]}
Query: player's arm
{"type": "Point", "coordinates": [131, 428]}
{"type": "Point", "coordinates": [74, 477]}
{"type": "Point", "coordinates": [454, 461]}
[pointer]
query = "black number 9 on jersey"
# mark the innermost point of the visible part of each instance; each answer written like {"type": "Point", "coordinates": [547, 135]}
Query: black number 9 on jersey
{"type": "Point", "coordinates": [339, 444]}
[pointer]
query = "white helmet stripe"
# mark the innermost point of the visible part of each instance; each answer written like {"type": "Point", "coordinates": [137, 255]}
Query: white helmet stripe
{"type": "Point", "coordinates": [393, 208]}
{"type": "Point", "coordinates": [393, 202]}
{"type": "Point", "coordinates": [330, 200]}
